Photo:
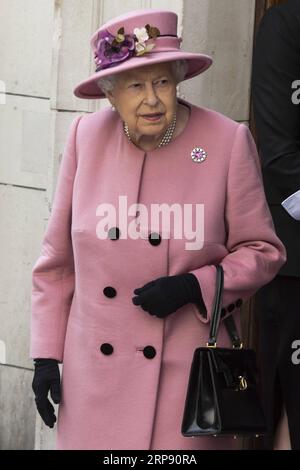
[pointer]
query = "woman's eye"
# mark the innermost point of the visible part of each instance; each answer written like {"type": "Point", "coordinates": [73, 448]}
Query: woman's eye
{"type": "Point", "coordinates": [135, 85]}
{"type": "Point", "coordinates": [162, 82]}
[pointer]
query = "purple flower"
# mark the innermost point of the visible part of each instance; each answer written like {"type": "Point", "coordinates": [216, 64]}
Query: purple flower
{"type": "Point", "coordinates": [111, 50]}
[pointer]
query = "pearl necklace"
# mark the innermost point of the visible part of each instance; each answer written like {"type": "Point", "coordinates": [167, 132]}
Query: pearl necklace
{"type": "Point", "coordinates": [166, 137]}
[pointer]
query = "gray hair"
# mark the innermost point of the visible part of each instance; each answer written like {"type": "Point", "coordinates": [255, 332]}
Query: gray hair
{"type": "Point", "coordinates": [179, 70]}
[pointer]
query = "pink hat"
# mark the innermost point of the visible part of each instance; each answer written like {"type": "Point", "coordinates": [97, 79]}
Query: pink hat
{"type": "Point", "coordinates": [139, 38]}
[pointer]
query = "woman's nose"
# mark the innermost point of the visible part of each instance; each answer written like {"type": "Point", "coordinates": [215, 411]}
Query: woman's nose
{"type": "Point", "coordinates": [151, 97]}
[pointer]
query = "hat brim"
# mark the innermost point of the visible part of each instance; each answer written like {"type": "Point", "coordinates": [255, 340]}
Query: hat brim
{"type": "Point", "coordinates": [197, 63]}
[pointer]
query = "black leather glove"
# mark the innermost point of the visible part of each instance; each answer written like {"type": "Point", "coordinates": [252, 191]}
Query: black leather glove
{"type": "Point", "coordinates": [46, 378]}
{"type": "Point", "coordinates": [165, 295]}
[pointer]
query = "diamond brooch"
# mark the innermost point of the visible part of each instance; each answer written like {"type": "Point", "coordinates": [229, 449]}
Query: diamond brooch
{"type": "Point", "coordinates": [198, 155]}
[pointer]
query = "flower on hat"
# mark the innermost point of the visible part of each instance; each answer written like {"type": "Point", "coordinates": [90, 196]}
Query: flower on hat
{"type": "Point", "coordinates": [141, 34]}
{"type": "Point", "coordinates": [110, 49]}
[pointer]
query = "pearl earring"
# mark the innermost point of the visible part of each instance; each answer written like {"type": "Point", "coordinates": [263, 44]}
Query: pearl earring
{"type": "Point", "coordinates": [113, 108]}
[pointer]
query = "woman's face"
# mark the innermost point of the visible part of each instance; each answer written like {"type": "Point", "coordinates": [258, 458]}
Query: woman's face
{"type": "Point", "coordinates": [142, 92]}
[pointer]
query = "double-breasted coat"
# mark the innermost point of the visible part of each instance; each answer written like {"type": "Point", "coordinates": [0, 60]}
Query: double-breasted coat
{"type": "Point", "coordinates": [125, 372]}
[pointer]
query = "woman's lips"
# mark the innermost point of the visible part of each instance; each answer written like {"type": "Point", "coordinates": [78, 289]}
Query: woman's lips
{"type": "Point", "coordinates": [152, 117]}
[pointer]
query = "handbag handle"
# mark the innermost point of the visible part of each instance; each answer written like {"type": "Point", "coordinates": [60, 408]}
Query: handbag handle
{"type": "Point", "coordinates": [216, 316]}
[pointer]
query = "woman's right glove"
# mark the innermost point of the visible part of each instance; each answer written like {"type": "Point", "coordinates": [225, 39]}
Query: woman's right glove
{"type": "Point", "coordinates": [46, 378]}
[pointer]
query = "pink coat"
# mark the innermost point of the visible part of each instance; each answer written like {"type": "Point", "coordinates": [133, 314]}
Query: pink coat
{"type": "Point", "coordinates": [125, 372]}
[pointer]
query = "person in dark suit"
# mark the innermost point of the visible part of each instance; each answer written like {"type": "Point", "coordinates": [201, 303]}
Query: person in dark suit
{"type": "Point", "coordinates": [276, 99]}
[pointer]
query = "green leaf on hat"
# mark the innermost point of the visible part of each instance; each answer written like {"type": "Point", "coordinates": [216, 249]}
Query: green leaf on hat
{"type": "Point", "coordinates": [153, 32]}
{"type": "Point", "coordinates": [120, 38]}
{"type": "Point", "coordinates": [148, 48]}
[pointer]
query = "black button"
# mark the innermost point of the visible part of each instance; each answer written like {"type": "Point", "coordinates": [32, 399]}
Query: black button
{"type": "Point", "coordinates": [239, 303]}
{"type": "Point", "coordinates": [231, 307]}
{"type": "Point", "coordinates": [154, 238]}
{"type": "Point", "coordinates": [109, 291]}
{"type": "Point", "coordinates": [106, 348]}
{"type": "Point", "coordinates": [223, 312]}
{"type": "Point", "coordinates": [149, 352]}
{"type": "Point", "coordinates": [114, 233]}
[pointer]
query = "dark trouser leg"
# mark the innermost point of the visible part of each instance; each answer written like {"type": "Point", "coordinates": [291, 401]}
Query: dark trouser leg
{"type": "Point", "coordinates": [278, 305]}
{"type": "Point", "coordinates": [267, 307]}
{"type": "Point", "coordinates": [289, 369]}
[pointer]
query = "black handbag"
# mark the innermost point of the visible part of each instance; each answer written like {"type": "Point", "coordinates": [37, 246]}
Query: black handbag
{"type": "Point", "coordinates": [222, 395]}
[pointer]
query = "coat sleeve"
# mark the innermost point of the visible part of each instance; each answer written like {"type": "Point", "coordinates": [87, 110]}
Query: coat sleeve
{"type": "Point", "coordinates": [53, 277]}
{"type": "Point", "coordinates": [255, 253]}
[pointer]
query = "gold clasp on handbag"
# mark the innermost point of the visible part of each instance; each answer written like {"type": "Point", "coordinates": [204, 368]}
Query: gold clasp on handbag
{"type": "Point", "coordinates": [243, 385]}
{"type": "Point", "coordinates": [213, 345]}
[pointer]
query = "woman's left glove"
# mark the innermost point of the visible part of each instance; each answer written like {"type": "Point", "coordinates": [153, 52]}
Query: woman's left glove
{"type": "Point", "coordinates": [46, 378]}
{"type": "Point", "coordinates": [165, 295]}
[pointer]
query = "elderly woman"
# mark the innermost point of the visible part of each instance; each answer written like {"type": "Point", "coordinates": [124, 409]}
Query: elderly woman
{"type": "Point", "coordinates": [119, 298]}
